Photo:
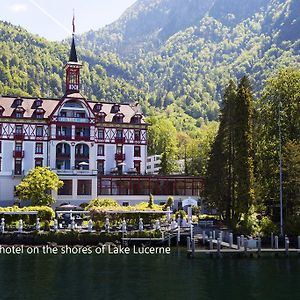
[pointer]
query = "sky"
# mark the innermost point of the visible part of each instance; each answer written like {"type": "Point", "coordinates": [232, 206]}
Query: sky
{"type": "Point", "coordinates": [52, 19]}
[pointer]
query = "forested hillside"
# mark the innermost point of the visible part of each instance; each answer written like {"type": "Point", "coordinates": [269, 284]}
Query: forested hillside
{"type": "Point", "coordinates": [173, 56]}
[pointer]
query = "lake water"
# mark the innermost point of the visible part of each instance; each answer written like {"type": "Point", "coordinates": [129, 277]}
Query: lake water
{"type": "Point", "coordinates": [173, 276]}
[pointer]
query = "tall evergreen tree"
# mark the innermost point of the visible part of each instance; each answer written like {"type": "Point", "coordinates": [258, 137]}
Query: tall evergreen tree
{"type": "Point", "coordinates": [229, 185]}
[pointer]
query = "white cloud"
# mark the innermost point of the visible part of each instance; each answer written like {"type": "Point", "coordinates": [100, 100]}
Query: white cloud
{"type": "Point", "coordinates": [18, 7]}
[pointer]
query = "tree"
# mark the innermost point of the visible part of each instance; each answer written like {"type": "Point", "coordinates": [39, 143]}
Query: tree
{"type": "Point", "coordinates": [37, 186]}
{"type": "Point", "coordinates": [162, 140]}
{"type": "Point", "coordinates": [281, 90]}
{"type": "Point", "coordinates": [229, 184]}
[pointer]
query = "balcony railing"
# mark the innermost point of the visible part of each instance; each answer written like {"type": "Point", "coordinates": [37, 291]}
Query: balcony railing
{"type": "Point", "coordinates": [82, 137]}
{"type": "Point", "coordinates": [119, 140]}
{"type": "Point", "coordinates": [120, 156]}
{"type": "Point", "coordinates": [18, 154]}
{"type": "Point", "coordinates": [64, 136]}
{"type": "Point", "coordinates": [19, 136]}
{"type": "Point", "coordinates": [73, 120]}
{"type": "Point", "coordinates": [75, 172]}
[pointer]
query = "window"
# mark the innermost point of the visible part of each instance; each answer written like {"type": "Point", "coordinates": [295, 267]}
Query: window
{"type": "Point", "coordinates": [136, 119]}
{"type": "Point", "coordinates": [125, 203]}
{"type": "Point", "coordinates": [39, 131]}
{"type": "Point", "coordinates": [39, 148]}
{"type": "Point", "coordinates": [0, 164]}
{"type": "Point", "coordinates": [84, 187]}
{"type": "Point", "coordinates": [100, 150]}
{"type": "Point", "coordinates": [119, 150]}
{"type": "Point", "coordinates": [19, 129]}
{"type": "Point", "coordinates": [18, 167]}
{"type": "Point", "coordinates": [137, 135]}
{"type": "Point", "coordinates": [137, 166]}
{"type": "Point", "coordinates": [115, 108]}
{"type": "Point", "coordinates": [18, 146]}
{"type": "Point", "coordinates": [67, 188]}
{"type": "Point", "coordinates": [38, 162]}
{"type": "Point", "coordinates": [0, 146]}
{"type": "Point", "coordinates": [119, 134]}
{"type": "Point", "coordinates": [100, 134]}
{"type": "Point", "coordinates": [137, 151]}
{"type": "Point", "coordinates": [19, 114]}
{"type": "Point", "coordinates": [39, 116]}
{"type": "Point", "coordinates": [100, 167]}
{"type": "Point", "coordinates": [118, 118]}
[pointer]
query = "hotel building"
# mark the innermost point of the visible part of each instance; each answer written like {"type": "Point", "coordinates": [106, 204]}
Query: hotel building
{"type": "Point", "coordinates": [96, 148]}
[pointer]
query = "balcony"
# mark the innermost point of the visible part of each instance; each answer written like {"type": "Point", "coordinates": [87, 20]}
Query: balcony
{"type": "Point", "coordinates": [63, 136]}
{"type": "Point", "coordinates": [75, 172]}
{"type": "Point", "coordinates": [82, 138]}
{"type": "Point", "coordinates": [19, 136]}
{"type": "Point", "coordinates": [18, 154]}
{"type": "Point", "coordinates": [73, 120]}
{"type": "Point", "coordinates": [119, 156]}
{"type": "Point", "coordinates": [120, 140]}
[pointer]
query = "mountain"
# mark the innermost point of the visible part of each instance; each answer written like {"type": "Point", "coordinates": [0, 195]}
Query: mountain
{"type": "Point", "coordinates": [148, 24]}
{"type": "Point", "coordinates": [173, 56]}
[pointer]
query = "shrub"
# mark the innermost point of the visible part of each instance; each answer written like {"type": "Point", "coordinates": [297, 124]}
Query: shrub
{"type": "Point", "coordinates": [180, 213]}
{"type": "Point", "coordinates": [151, 201]}
{"type": "Point", "coordinates": [45, 213]}
{"type": "Point", "coordinates": [47, 226]}
{"type": "Point", "coordinates": [169, 203]}
{"type": "Point", "coordinates": [102, 202]}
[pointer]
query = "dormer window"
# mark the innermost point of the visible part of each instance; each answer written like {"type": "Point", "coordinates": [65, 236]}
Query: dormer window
{"type": "Point", "coordinates": [136, 119]}
{"type": "Point", "coordinates": [118, 118]}
{"type": "Point", "coordinates": [101, 117]}
{"type": "Point", "coordinates": [115, 108]}
{"type": "Point", "coordinates": [18, 102]}
{"type": "Point", "coordinates": [39, 113]}
{"type": "Point", "coordinates": [19, 112]}
{"type": "Point", "coordinates": [97, 107]}
{"type": "Point", "coordinates": [38, 103]}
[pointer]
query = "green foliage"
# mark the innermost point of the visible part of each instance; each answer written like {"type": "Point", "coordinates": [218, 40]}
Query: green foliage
{"type": "Point", "coordinates": [101, 203]}
{"type": "Point", "coordinates": [180, 213]}
{"type": "Point", "coordinates": [169, 203]}
{"type": "Point", "coordinates": [37, 186]}
{"type": "Point", "coordinates": [282, 89]}
{"type": "Point", "coordinates": [45, 213]}
{"type": "Point", "coordinates": [151, 201]}
{"type": "Point", "coordinates": [230, 181]}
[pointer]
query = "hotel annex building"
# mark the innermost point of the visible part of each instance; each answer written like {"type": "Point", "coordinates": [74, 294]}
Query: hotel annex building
{"type": "Point", "coordinates": [98, 149]}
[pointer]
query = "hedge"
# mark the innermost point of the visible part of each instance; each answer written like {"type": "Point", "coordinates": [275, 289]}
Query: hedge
{"type": "Point", "coordinates": [45, 213]}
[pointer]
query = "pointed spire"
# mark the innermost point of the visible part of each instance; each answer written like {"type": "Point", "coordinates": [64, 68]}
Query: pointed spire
{"type": "Point", "coordinates": [73, 54]}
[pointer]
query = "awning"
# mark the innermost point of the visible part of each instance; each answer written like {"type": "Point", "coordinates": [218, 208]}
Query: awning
{"type": "Point", "coordinates": [189, 201]}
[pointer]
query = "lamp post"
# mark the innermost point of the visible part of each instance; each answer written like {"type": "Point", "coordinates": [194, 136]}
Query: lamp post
{"type": "Point", "coordinates": [280, 168]}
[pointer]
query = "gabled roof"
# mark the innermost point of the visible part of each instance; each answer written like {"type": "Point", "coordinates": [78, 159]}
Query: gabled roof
{"type": "Point", "coordinates": [50, 105]}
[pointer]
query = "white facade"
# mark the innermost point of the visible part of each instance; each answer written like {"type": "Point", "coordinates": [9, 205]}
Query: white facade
{"type": "Point", "coordinates": [78, 149]}
{"type": "Point", "coordinates": [153, 164]}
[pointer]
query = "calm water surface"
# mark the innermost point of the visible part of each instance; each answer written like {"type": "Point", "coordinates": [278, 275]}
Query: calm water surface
{"type": "Point", "coordinates": [147, 277]}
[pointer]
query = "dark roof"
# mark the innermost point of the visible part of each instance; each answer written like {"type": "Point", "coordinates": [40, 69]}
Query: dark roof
{"type": "Point", "coordinates": [73, 54]}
